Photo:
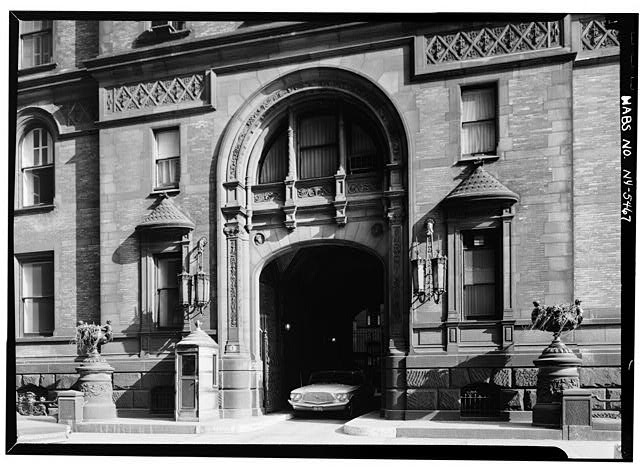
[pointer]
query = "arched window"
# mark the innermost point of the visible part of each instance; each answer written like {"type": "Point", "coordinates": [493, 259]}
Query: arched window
{"type": "Point", "coordinates": [318, 143]}
{"type": "Point", "coordinates": [36, 165]}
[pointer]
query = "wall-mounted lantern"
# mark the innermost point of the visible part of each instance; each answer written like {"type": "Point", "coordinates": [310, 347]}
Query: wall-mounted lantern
{"type": "Point", "coordinates": [429, 274]}
{"type": "Point", "coordinates": [194, 288]}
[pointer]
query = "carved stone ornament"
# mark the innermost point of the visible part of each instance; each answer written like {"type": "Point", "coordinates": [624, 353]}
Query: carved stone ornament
{"type": "Point", "coordinates": [271, 196]}
{"type": "Point", "coordinates": [154, 93]}
{"type": "Point", "coordinates": [232, 285]}
{"type": "Point", "coordinates": [491, 41]}
{"type": "Point", "coordinates": [74, 113]}
{"type": "Point", "coordinates": [316, 191]}
{"type": "Point", "coordinates": [595, 35]}
{"type": "Point", "coordinates": [365, 186]}
{"type": "Point", "coordinates": [259, 239]}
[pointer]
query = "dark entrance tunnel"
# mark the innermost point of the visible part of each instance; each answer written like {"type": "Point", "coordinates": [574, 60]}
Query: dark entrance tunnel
{"type": "Point", "coordinates": [321, 308]}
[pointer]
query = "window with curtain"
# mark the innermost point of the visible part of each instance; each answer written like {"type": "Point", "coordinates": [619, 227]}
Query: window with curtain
{"type": "Point", "coordinates": [480, 250]}
{"type": "Point", "coordinates": [362, 154]}
{"type": "Point", "coordinates": [37, 313]}
{"type": "Point", "coordinates": [478, 121]}
{"type": "Point", "coordinates": [36, 41]}
{"type": "Point", "coordinates": [36, 154]}
{"type": "Point", "coordinates": [274, 166]}
{"type": "Point", "coordinates": [168, 313]}
{"type": "Point", "coordinates": [318, 146]}
{"type": "Point", "coordinates": [167, 157]}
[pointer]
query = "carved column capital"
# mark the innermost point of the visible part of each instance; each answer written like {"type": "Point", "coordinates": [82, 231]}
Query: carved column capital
{"type": "Point", "coordinates": [231, 230]}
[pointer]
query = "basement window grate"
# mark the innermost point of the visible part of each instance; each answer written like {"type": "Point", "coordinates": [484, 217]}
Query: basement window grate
{"type": "Point", "coordinates": [479, 401]}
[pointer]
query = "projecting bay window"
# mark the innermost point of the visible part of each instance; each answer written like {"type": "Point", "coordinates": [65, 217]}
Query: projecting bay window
{"type": "Point", "coordinates": [167, 159]}
{"type": "Point", "coordinates": [479, 262]}
{"type": "Point", "coordinates": [168, 312]}
{"type": "Point", "coordinates": [478, 121]}
{"type": "Point", "coordinates": [36, 316]}
{"type": "Point", "coordinates": [36, 43]}
{"type": "Point", "coordinates": [36, 152]}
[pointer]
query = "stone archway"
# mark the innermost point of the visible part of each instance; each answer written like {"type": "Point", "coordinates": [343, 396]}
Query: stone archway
{"type": "Point", "coordinates": [372, 212]}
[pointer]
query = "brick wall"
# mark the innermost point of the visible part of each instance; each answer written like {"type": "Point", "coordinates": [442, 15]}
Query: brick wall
{"type": "Point", "coordinates": [596, 184]}
{"type": "Point", "coordinates": [75, 42]}
{"type": "Point", "coordinates": [71, 229]}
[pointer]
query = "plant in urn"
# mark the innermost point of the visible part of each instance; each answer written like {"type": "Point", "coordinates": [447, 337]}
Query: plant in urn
{"type": "Point", "coordinates": [557, 365]}
{"type": "Point", "coordinates": [95, 372]}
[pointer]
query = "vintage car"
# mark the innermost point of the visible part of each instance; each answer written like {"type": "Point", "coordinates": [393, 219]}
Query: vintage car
{"type": "Point", "coordinates": [333, 391]}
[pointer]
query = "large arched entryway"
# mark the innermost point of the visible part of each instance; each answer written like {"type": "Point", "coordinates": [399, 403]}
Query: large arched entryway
{"type": "Point", "coordinates": [320, 309]}
{"type": "Point", "coordinates": [316, 157]}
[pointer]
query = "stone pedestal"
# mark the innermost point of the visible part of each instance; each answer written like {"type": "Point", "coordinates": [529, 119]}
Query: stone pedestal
{"type": "Point", "coordinates": [95, 384]}
{"type": "Point", "coordinates": [70, 404]}
{"type": "Point", "coordinates": [557, 372]}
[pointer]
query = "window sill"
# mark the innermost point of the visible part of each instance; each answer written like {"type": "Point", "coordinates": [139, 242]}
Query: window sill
{"type": "Point", "coordinates": [27, 339]}
{"type": "Point", "coordinates": [172, 191]}
{"type": "Point", "coordinates": [466, 160]}
{"type": "Point", "coordinates": [37, 69]}
{"type": "Point", "coordinates": [34, 209]}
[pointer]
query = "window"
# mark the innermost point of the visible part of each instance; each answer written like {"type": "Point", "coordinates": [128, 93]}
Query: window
{"type": "Point", "coordinates": [167, 269]}
{"type": "Point", "coordinates": [318, 146]}
{"type": "Point", "coordinates": [36, 152]}
{"type": "Point", "coordinates": [172, 25]}
{"type": "Point", "coordinates": [35, 38]}
{"type": "Point", "coordinates": [480, 248]}
{"type": "Point", "coordinates": [36, 295]}
{"type": "Point", "coordinates": [478, 121]}
{"type": "Point", "coordinates": [319, 142]}
{"type": "Point", "coordinates": [167, 158]}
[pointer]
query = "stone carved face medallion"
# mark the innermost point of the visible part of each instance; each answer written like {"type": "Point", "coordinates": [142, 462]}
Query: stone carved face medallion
{"type": "Point", "coordinates": [259, 239]}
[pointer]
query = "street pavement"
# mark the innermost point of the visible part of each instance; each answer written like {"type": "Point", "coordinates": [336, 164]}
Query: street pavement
{"type": "Point", "coordinates": [325, 431]}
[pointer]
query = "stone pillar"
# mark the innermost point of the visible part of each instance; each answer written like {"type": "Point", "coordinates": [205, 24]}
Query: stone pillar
{"type": "Point", "coordinates": [340, 200]}
{"type": "Point", "coordinates": [557, 372]}
{"type": "Point", "coordinates": [95, 384]}
{"type": "Point", "coordinates": [238, 373]}
{"type": "Point", "coordinates": [395, 362]}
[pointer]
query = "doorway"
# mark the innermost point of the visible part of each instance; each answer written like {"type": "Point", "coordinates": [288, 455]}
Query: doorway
{"type": "Point", "coordinates": [321, 308]}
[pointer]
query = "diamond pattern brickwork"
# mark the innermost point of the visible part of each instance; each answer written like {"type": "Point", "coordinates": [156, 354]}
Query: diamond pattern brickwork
{"type": "Point", "coordinates": [154, 93]}
{"type": "Point", "coordinates": [492, 41]}
{"type": "Point", "coordinates": [595, 35]}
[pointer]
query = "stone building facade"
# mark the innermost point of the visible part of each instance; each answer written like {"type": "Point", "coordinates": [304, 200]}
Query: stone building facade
{"type": "Point", "coordinates": [311, 155]}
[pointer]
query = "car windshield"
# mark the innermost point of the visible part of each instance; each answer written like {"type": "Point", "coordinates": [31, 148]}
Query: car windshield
{"type": "Point", "coordinates": [342, 377]}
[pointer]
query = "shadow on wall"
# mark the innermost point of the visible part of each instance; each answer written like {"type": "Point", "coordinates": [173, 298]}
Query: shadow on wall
{"type": "Point", "coordinates": [214, 232]}
{"type": "Point", "coordinates": [87, 232]}
{"type": "Point", "coordinates": [86, 43]}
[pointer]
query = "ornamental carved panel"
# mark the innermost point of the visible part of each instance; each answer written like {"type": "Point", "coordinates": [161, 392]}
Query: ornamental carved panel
{"type": "Point", "coordinates": [315, 191]}
{"type": "Point", "coordinates": [269, 196]}
{"type": "Point", "coordinates": [491, 41]}
{"type": "Point", "coordinates": [595, 35]}
{"type": "Point", "coordinates": [75, 113]}
{"type": "Point", "coordinates": [154, 93]}
{"type": "Point", "coordinates": [97, 390]}
{"type": "Point", "coordinates": [550, 389]}
{"type": "Point", "coordinates": [362, 187]}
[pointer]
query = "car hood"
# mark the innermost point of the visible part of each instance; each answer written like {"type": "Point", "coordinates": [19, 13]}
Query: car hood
{"type": "Point", "coordinates": [326, 387]}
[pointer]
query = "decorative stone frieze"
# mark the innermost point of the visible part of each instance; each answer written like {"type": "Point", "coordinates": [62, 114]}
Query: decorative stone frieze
{"type": "Point", "coordinates": [154, 93]}
{"type": "Point", "coordinates": [269, 196]}
{"type": "Point", "coordinates": [315, 191]}
{"type": "Point", "coordinates": [491, 41]}
{"type": "Point", "coordinates": [365, 186]}
{"type": "Point", "coordinates": [595, 35]}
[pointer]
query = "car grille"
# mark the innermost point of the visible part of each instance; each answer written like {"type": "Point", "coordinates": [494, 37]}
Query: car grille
{"type": "Point", "coordinates": [317, 397]}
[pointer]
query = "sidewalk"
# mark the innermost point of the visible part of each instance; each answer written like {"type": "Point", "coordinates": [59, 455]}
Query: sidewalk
{"type": "Point", "coordinates": [40, 430]}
